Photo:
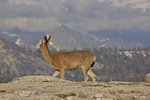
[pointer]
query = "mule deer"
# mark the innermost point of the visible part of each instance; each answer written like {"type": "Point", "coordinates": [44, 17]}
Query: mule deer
{"type": "Point", "coordinates": [62, 61]}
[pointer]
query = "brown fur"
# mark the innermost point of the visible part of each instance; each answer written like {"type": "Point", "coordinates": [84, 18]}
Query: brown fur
{"type": "Point", "coordinates": [68, 60]}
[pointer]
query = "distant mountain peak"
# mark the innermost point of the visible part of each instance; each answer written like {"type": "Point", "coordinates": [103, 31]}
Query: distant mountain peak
{"type": "Point", "coordinates": [61, 25]}
{"type": "Point", "coordinates": [66, 38]}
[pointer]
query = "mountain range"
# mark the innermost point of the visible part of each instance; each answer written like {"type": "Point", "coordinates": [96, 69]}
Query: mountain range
{"type": "Point", "coordinates": [112, 64]}
{"type": "Point", "coordinates": [17, 61]}
{"type": "Point", "coordinates": [64, 37]}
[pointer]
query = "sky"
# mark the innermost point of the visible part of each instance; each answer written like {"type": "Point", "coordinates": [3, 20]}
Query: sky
{"type": "Point", "coordinates": [80, 15]}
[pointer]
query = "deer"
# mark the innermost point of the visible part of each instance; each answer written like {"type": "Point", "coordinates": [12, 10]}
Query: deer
{"type": "Point", "coordinates": [71, 60]}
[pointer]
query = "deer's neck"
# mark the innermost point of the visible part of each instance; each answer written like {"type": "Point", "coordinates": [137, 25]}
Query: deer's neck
{"type": "Point", "coordinates": [47, 55]}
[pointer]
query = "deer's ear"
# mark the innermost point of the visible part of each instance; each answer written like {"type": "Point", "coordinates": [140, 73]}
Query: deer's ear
{"type": "Point", "coordinates": [44, 40]}
{"type": "Point", "coordinates": [48, 39]}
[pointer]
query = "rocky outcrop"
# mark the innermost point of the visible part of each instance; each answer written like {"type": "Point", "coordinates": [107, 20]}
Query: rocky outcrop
{"type": "Point", "coordinates": [148, 77]}
{"type": "Point", "coordinates": [50, 88]}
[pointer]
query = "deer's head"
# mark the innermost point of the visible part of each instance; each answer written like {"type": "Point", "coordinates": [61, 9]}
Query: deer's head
{"type": "Point", "coordinates": [44, 43]}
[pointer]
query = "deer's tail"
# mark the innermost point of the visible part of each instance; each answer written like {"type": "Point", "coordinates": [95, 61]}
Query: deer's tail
{"type": "Point", "coordinates": [93, 61]}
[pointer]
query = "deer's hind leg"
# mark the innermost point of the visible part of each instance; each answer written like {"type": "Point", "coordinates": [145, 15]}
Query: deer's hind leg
{"type": "Point", "coordinates": [92, 75]}
{"type": "Point", "coordinates": [85, 72]}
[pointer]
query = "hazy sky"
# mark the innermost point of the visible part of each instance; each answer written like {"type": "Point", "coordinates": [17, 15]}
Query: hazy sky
{"type": "Point", "coordinates": [80, 15]}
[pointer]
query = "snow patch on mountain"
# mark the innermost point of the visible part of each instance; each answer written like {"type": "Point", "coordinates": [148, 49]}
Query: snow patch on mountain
{"type": "Point", "coordinates": [18, 42]}
{"type": "Point", "coordinates": [9, 34]}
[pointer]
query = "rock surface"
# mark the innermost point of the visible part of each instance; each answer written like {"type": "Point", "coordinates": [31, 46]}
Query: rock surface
{"type": "Point", "coordinates": [50, 88]}
{"type": "Point", "coordinates": [148, 77]}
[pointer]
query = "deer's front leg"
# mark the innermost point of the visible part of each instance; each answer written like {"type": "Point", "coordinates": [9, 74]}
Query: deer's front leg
{"type": "Point", "coordinates": [55, 73]}
{"type": "Point", "coordinates": [62, 73]}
